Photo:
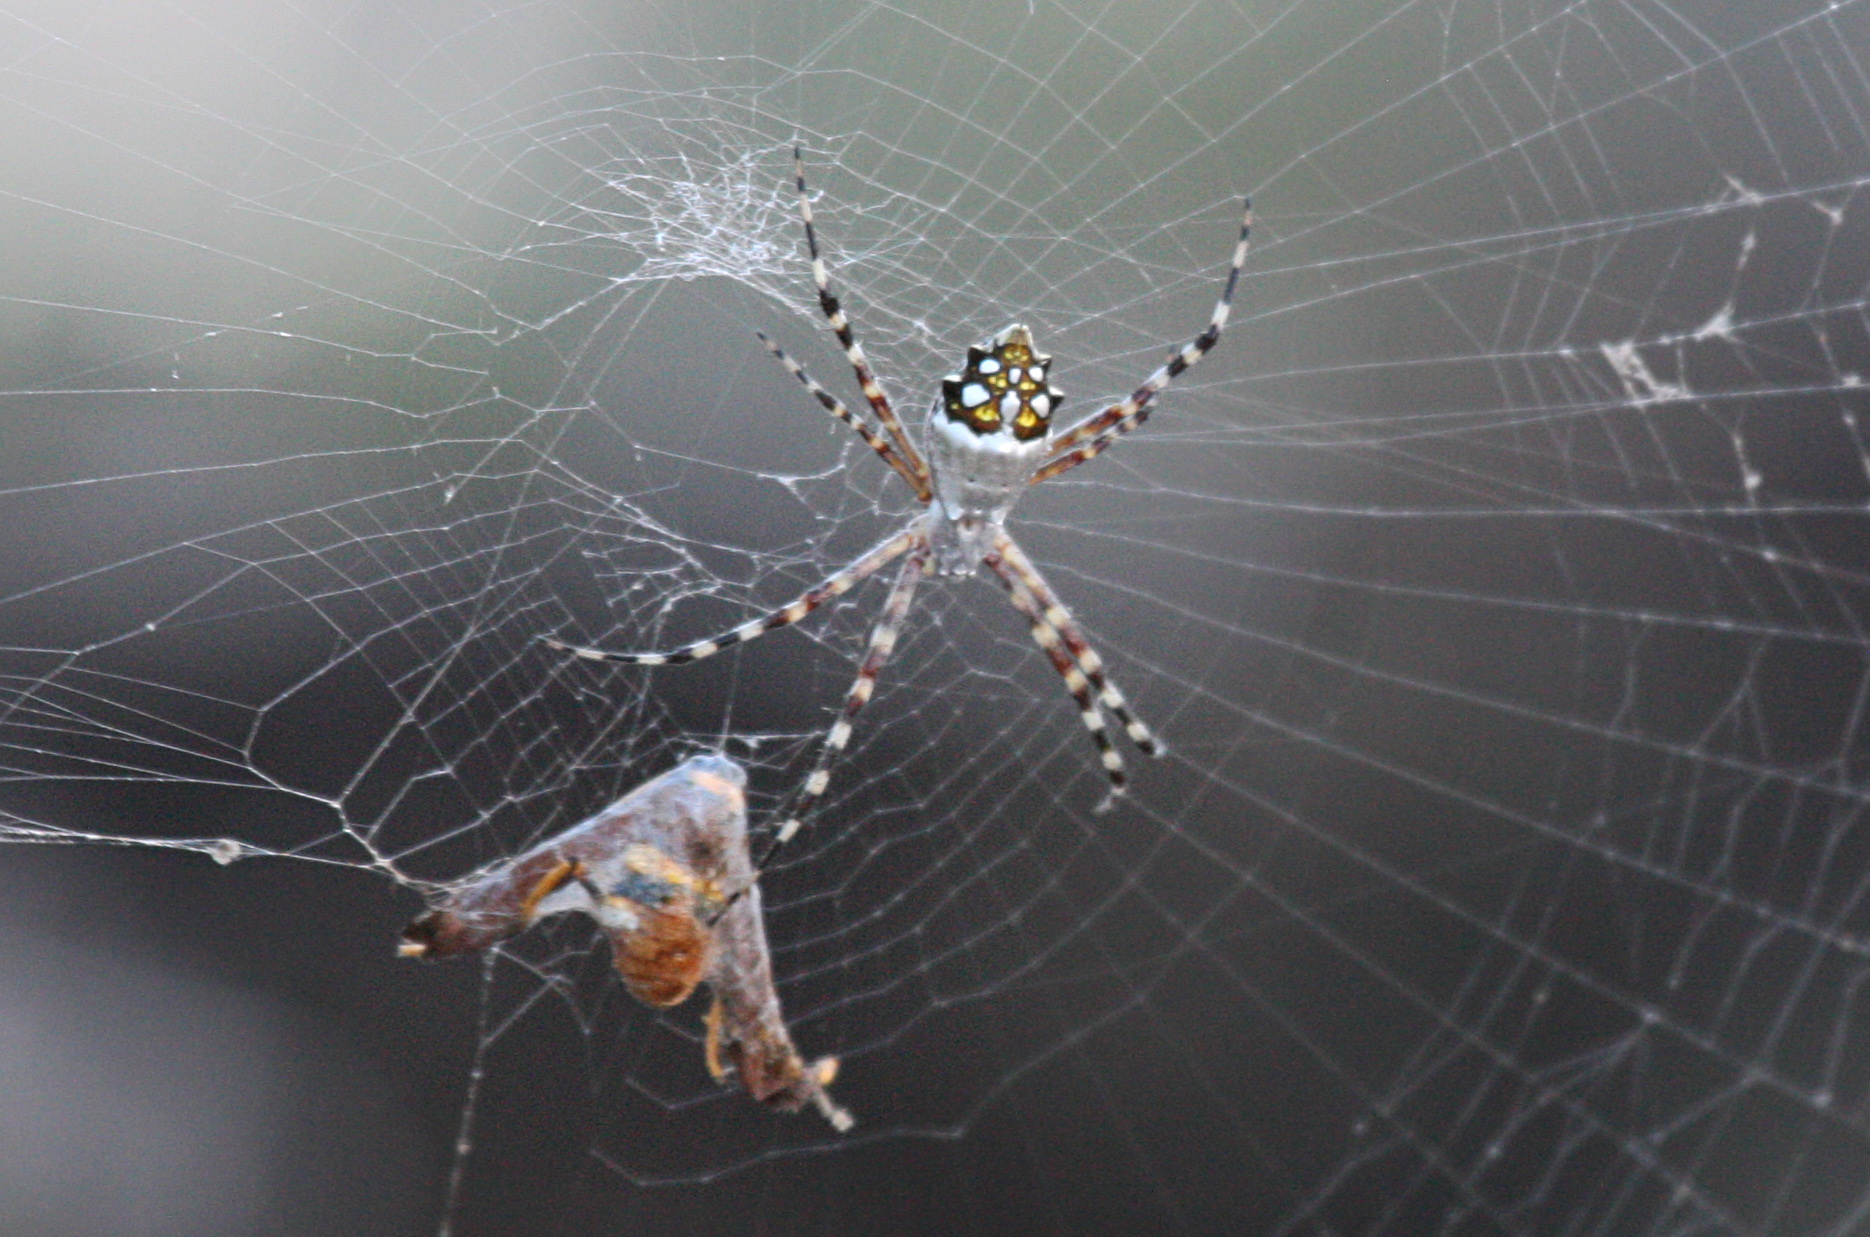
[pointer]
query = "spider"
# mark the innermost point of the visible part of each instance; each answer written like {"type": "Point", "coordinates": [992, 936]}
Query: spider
{"type": "Point", "coordinates": [988, 437]}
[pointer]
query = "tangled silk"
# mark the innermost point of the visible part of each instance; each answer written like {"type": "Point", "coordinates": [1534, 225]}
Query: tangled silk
{"type": "Point", "coordinates": [665, 871]}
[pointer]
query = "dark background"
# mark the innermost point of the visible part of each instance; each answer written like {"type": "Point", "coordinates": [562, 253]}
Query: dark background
{"type": "Point", "coordinates": [1496, 585]}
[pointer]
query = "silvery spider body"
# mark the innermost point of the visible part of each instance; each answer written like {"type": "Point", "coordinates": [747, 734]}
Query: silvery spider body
{"type": "Point", "coordinates": [988, 437]}
{"type": "Point", "coordinates": [988, 432]}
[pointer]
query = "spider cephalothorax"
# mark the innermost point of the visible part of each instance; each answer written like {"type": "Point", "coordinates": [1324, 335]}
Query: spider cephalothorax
{"type": "Point", "coordinates": [989, 436]}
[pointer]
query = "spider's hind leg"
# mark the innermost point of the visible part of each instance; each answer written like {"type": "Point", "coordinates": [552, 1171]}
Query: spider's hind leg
{"type": "Point", "coordinates": [833, 405]}
{"type": "Point", "coordinates": [1098, 431]}
{"type": "Point", "coordinates": [854, 351]}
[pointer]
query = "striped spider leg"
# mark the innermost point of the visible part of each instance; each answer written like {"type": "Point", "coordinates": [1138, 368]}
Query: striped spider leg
{"type": "Point", "coordinates": [987, 438]}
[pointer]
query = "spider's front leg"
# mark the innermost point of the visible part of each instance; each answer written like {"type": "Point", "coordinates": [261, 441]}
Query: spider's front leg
{"type": "Point", "coordinates": [1057, 633]}
{"type": "Point", "coordinates": [1046, 636]}
{"type": "Point", "coordinates": [882, 644]}
{"type": "Point", "coordinates": [914, 541]}
{"type": "Point", "coordinates": [1021, 571]}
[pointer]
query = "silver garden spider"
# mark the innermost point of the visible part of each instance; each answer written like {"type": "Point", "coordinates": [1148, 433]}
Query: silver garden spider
{"type": "Point", "coordinates": [988, 437]}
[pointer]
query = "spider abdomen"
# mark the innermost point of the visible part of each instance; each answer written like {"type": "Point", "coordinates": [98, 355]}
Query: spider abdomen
{"type": "Point", "coordinates": [978, 478]}
{"type": "Point", "coordinates": [978, 474]}
{"type": "Point", "coordinates": [1003, 389]}
{"type": "Point", "coordinates": [988, 432]}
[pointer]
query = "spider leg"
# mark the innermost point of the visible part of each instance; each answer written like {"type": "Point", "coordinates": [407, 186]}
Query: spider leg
{"type": "Point", "coordinates": [786, 615]}
{"type": "Point", "coordinates": [1090, 450]}
{"type": "Point", "coordinates": [1048, 639]}
{"type": "Point", "coordinates": [836, 408]}
{"type": "Point", "coordinates": [882, 644]}
{"type": "Point", "coordinates": [1020, 574]}
{"type": "Point", "coordinates": [841, 327]}
{"type": "Point", "coordinates": [1101, 429]}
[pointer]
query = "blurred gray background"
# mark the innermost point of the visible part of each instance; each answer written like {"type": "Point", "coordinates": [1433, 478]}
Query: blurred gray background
{"type": "Point", "coordinates": [1496, 586]}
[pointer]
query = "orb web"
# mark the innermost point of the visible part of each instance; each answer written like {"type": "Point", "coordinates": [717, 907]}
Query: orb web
{"type": "Point", "coordinates": [1496, 586]}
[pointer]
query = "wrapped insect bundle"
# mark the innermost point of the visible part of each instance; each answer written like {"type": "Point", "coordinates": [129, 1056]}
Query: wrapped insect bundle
{"type": "Point", "coordinates": [667, 874]}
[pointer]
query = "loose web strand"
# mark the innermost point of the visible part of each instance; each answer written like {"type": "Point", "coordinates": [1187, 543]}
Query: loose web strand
{"type": "Point", "coordinates": [470, 1103]}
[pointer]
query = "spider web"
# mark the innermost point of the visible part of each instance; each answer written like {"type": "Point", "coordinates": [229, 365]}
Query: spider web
{"type": "Point", "coordinates": [1497, 586]}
